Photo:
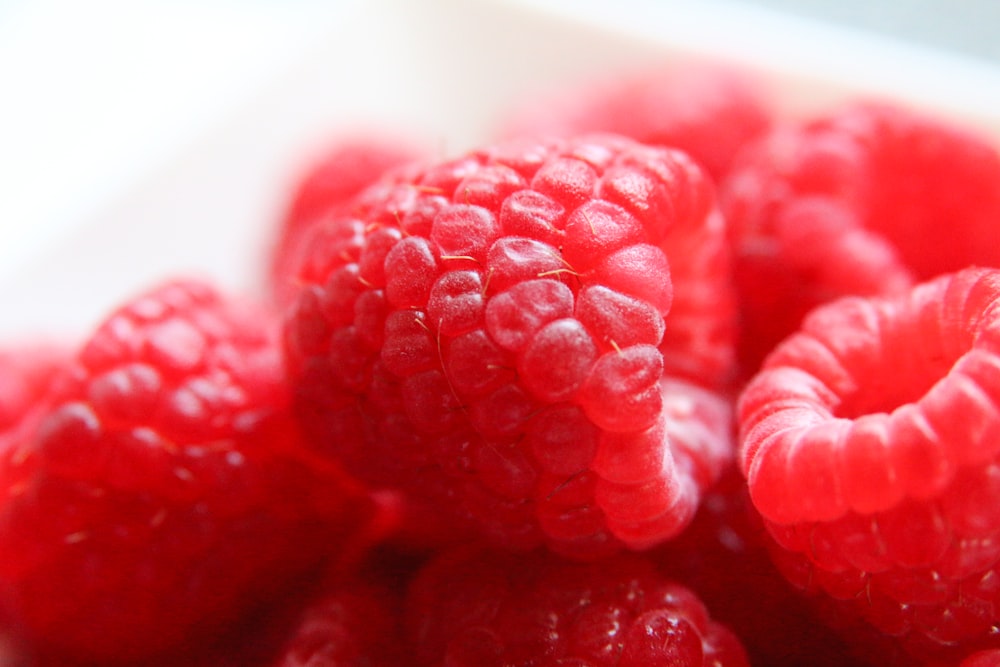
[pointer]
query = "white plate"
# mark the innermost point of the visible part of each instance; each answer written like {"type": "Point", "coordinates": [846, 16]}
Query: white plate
{"type": "Point", "coordinates": [440, 71]}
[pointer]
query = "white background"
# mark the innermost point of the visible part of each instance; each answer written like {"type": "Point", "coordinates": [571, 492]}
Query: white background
{"type": "Point", "coordinates": [144, 139]}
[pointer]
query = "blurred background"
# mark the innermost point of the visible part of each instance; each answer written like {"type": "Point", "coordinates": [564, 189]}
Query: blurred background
{"type": "Point", "coordinates": [971, 27]}
{"type": "Point", "coordinates": [119, 118]}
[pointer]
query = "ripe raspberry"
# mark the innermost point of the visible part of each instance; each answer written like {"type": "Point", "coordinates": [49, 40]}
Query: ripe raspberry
{"type": "Point", "coordinates": [159, 491]}
{"type": "Point", "coordinates": [472, 607]}
{"type": "Point", "coordinates": [871, 445]}
{"type": "Point", "coordinates": [12, 653]}
{"type": "Point", "coordinates": [27, 372]}
{"type": "Point", "coordinates": [861, 201]}
{"type": "Point", "coordinates": [723, 558]}
{"type": "Point", "coordinates": [347, 167]}
{"type": "Point", "coordinates": [988, 658]}
{"type": "Point", "coordinates": [705, 110]}
{"type": "Point", "coordinates": [354, 623]}
{"type": "Point", "coordinates": [527, 337]}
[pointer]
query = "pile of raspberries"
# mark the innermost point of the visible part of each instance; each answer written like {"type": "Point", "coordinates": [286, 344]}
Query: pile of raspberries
{"type": "Point", "coordinates": [656, 377]}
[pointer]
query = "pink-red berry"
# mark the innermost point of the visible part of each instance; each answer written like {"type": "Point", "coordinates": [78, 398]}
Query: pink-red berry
{"type": "Point", "coordinates": [355, 623]}
{"type": "Point", "coordinates": [862, 200]}
{"type": "Point", "coordinates": [986, 658]}
{"type": "Point", "coordinates": [723, 557]}
{"type": "Point", "coordinates": [159, 491]}
{"type": "Point", "coordinates": [870, 440]}
{"type": "Point", "coordinates": [529, 340]}
{"type": "Point", "coordinates": [706, 110]}
{"type": "Point", "coordinates": [477, 608]}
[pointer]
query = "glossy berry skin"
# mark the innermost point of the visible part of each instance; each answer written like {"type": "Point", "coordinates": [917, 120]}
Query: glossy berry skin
{"type": "Point", "coordinates": [863, 200]}
{"type": "Point", "coordinates": [345, 167]}
{"type": "Point", "coordinates": [986, 658]}
{"type": "Point", "coordinates": [708, 111]}
{"type": "Point", "coordinates": [472, 607]}
{"type": "Point", "coordinates": [354, 623]}
{"type": "Point", "coordinates": [723, 557]}
{"type": "Point", "coordinates": [871, 445]}
{"type": "Point", "coordinates": [529, 340]}
{"type": "Point", "coordinates": [160, 491]}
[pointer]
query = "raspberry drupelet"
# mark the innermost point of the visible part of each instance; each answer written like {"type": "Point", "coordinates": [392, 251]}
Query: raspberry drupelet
{"type": "Point", "coordinates": [530, 340]}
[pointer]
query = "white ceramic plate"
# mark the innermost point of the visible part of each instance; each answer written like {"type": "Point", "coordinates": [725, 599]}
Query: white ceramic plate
{"type": "Point", "coordinates": [440, 71]}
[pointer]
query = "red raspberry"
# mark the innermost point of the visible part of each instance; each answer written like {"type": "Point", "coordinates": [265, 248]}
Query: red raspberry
{"type": "Point", "coordinates": [860, 201]}
{"type": "Point", "coordinates": [988, 658]}
{"type": "Point", "coordinates": [160, 490]}
{"type": "Point", "coordinates": [475, 608]}
{"type": "Point", "coordinates": [495, 335]}
{"type": "Point", "coordinates": [871, 443]}
{"type": "Point", "coordinates": [355, 623]}
{"type": "Point", "coordinates": [27, 372]}
{"type": "Point", "coordinates": [12, 653]}
{"type": "Point", "coordinates": [723, 557]}
{"type": "Point", "coordinates": [706, 110]}
{"type": "Point", "coordinates": [346, 168]}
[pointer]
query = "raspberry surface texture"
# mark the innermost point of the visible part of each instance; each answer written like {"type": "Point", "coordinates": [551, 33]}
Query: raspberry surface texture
{"type": "Point", "coordinates": [862, 200]}
{"type": "Point", "coordinates": [355, 623]}
{"type": "Point", "coordinates": [723, 557]}
{"type": "Point", "coordinates": [476, 608]}
{"type": "Point", "coordinates": [160, 490]}
{"type": "Point", "coordinates": [530, 340]}
{"type": "Point", "coordinates": [704, 109]}
{"type": "Point", "coordinates": [347, 166]}
{"type": "Point", "coordinates": [871, 444]}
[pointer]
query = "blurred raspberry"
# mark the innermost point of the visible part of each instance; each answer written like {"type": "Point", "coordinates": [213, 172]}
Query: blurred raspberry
{"type": "Point", "coordinates": [707, 110]}
{"type": "Point", "coordinates": [862, 200]}
{"type": "Point", "coordinates": [724, 558]}
{"type": "Point", "coordinates": [476, 608]}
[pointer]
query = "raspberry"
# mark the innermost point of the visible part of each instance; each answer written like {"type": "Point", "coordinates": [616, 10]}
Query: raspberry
{"type": "Point", "coordinates": [861, 201]}
{"type": "Point", "coordinates": [528, 340]}
{"type": "Point", "coordinates": [723, 557]}
{"type": "Point", "coordinates": [988, 658]}
{"type": "Point", "coordinates": [346, 167]}
{"type": "Point", "coordinates": [11, 651]}
{"type": "Point", "coordinates": [158, 491]}
{"type": "Point", "coordinates": [354, 623]}
{"type": "Point", "coordinates": [27, 372]}
{"type": "Point", "coordinates": [706, 110]}
{"type": "Point", "coordinates": [871, 444]}
{"type": "Point", "coordinates": [473, 607]}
